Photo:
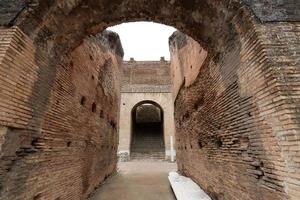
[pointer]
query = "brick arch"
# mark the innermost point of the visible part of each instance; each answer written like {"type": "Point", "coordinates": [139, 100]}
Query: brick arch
{"type": "Point", "coordinates": [147, 102]}
{"type": "Point", "coordinates": [212, 23]}
{"type": "Point", "coordinates": [133, 122]}
{"type": "Point", "coordinates": [163, 101]}
{"type": "Point", "coordinates": [152, 102]}
{"type": "Point", "coordinates": [59, 26]}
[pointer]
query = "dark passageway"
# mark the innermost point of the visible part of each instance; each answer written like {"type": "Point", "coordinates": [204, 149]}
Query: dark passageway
{"type": "Point", "coordinates": [147, 132]}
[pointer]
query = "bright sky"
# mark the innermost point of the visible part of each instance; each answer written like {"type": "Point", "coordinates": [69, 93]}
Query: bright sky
{"type": "Point", "coordinates": [144, 40]}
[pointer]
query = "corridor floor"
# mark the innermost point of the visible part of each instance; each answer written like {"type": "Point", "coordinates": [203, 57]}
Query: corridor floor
{"type": "Point", "coordinates": [138, 180]}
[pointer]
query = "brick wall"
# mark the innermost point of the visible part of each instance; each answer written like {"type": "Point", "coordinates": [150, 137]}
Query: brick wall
{"type": "Point", "coordinates": [185, 52]}
{"type": "Point", "coordinates": [265, 10]}
{"type": "Point", "coordinates": [9, 10]}
{"type": "Point", "coordinates": [237, 125]}
{"type": "Point", "coordinates": [146, 76]}
{"type": "Point", "coordinates": [275, 10]}
{"type": "Point", "coordinates": [145, 81]}
{"type": "Point", "coordinates": [57, 139]}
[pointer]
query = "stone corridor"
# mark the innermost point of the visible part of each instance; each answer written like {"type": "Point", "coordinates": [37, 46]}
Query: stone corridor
{"type": "Point", "coordinates": [232, 104]}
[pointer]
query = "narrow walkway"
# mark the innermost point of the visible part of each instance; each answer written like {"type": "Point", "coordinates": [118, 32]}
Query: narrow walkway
{"type": "Point", "coordinates": [138, 180]}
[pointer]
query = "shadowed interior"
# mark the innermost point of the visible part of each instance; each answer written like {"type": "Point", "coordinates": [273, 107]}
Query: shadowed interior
{"type": "Point", "coordinates": [147, 132]}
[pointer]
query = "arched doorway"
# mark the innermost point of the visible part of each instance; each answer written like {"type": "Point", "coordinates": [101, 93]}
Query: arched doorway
{"type": "Point", "coordinates": [147, 131]}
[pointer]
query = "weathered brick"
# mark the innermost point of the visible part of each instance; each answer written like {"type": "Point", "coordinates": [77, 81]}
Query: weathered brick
{"type": "Point", "coordinates": [50, 148]}
{"type": "Point", "coordinates": [252, 106]}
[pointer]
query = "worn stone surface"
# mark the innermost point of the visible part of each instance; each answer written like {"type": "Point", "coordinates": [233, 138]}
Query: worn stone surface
{"type": "Point", "coordinates": [138, 181]}
{"type": "Point", "coordinates": [53, 124]}
{"type": "Point", "coordinates": [275, 10]}
{"type": "Point", "coordinates": [237, 125]}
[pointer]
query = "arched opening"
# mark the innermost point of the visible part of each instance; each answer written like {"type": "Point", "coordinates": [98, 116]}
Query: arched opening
{"type": "Point", "coordinates": [147, 131]}
{"type": "Point", "coordinates": [245, 72]}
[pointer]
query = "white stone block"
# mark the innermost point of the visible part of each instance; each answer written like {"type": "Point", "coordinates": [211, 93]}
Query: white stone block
{"type": "Point", "coordinates": [185, 188]}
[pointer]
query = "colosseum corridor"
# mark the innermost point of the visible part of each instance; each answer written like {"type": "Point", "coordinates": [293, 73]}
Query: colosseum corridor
{"type": "Point", "coordinates": [146, 125]}
{"type": "Point", "coordinates": [235, 90]}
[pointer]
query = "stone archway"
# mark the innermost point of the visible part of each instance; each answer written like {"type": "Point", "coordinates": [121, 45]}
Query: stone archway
{"type": "Point", "coordinates": [238, 114]}
{"type": "Point", "coordinates": [129, 103]}
{"type": "Point", "coordinates": [212, 23]}
{"type": "Point", "coordinates": [147, 131]}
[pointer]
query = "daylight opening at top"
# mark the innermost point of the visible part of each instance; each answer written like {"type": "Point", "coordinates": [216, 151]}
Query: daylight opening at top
{"type": "Point", "coordinates": [144, 41]}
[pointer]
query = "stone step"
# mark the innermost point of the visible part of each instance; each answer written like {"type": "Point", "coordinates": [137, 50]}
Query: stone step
{"type": "Point", "coordinates": [147, 149]}
{"type": "Point", "coordinates": [143, 157]}
{"type": "Point", "coordinates": [138, 150]}
{"type": "Point", "coordinates": [147, 159]}
{"type": "Point", "coordinates": [147, 153]}
{"type": "Point", "coordinates": [137, 155]}
{"type": "Point", "coordinates": [161, 145]}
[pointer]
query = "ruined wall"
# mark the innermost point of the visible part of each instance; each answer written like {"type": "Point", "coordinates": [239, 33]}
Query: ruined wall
{"type": "Point", "coordinates": [129, 101]}
{"type": "Point", "coordinates": [58, 125]}
{"type": "Point", "coordinates": [146, 76]}
{"type": "Point", "coordinates": [208, 21]}
{"type": "Point", "coordinates": [185, 52]}
{"type": "Point", "coordinates": [145, 81]}
{"type": "Point", "coordinates": [275, 10]}
{"type": "Point", "coordinates": [237, 125]}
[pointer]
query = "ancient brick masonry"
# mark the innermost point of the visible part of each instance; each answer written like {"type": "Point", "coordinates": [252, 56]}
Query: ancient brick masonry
{"type": "Point", "coordinates": [54, 124]}
{"type": "Point", "coordinates": [145, 82]}
{"type": "Point", "coordinates": [238, 123]}
{"type": "Point", "coordinates": [275, 10]}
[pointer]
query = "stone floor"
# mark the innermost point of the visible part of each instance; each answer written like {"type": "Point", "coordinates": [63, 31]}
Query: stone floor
{"type": "Point", "coordinates": [138, 180]}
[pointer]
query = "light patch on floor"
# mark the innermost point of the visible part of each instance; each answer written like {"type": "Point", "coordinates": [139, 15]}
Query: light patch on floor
{"type": "Point", "coordinates": [138, 181]}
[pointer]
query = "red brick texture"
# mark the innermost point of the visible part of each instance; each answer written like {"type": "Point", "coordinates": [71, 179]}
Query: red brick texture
{"type": "Point", "coordinates": [237, 125]}
{"type": "Point", "coordinates": [58, 125]}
